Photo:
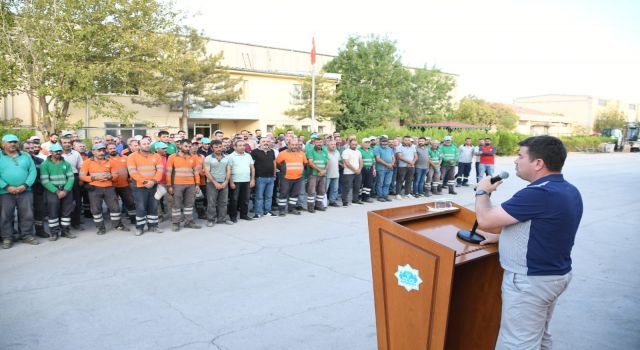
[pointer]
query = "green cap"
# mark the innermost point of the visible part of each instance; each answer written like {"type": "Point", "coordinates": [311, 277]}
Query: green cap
{"type": "Point", "coordinates": [10, 138]}
{"type": "Point", "coordinates": [55, 147]}
{"type": "Point", "coordinates": [160, 145]}
{"type": "Point", "coordinates": [205, 140]}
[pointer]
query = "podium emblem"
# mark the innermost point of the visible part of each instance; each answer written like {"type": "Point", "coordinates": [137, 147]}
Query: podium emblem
{"type": "Point", "coordinates": [408, 277]}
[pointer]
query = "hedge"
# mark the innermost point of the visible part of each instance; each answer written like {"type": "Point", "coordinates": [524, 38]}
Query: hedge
{"type": "Point", "coordinates": [23, 134]}
{"type": "Point", "coordinates": [505, 141]}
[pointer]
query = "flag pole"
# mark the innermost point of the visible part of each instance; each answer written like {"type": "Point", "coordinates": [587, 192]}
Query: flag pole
{"type": "Point", "coordinates": [314, 127]}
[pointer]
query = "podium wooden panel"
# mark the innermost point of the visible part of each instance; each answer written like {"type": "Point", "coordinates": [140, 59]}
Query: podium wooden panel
{"type": "Point", "coordinates": [457, 305]}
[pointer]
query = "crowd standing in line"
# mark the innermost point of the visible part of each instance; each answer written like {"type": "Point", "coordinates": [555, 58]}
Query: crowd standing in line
{"type": "Point", "coordinates": [218, 179]}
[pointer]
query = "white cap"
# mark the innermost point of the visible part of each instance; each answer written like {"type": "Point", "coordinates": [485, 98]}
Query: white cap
{"type": "Point", "coordinates": [138, 137]}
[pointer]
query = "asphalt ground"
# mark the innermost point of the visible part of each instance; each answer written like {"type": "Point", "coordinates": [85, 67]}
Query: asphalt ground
{"type": "Point", "coordinates": [299, 282]}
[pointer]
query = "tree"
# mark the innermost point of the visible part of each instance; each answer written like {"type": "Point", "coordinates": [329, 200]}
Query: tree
{"type": "Point", "coordinates": [61, 52]}
{"type": "Point", "coordinates": [506, 118]}
{"type": "Point", "coordinates": [609, 118]}
{"type": "Point", "coordinates": [473, 110]}
{"type": "Point", "coordinates": [189, 77]}
{"type": "Point", "coordinates": [426, 97]}
{"type": "Point", "coordinates": [328, 105]}
{"type": "Point", "coordinates": [372, 78]}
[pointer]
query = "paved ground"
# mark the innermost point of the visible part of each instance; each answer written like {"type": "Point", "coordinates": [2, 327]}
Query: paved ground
{"type": "Point", "coordinates": [294, 283]}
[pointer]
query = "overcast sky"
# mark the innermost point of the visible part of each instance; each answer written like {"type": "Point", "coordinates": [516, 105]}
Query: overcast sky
{"type": "Point", "coordinates": [500, 49]}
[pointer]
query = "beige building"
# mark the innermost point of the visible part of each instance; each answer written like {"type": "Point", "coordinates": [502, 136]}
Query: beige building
{"type": "Point", "coordinates": [578, 110]}
{"type": "Point", "coordinates": [269, 78]}
{"type": "Point", "coordinates": [534, 122]}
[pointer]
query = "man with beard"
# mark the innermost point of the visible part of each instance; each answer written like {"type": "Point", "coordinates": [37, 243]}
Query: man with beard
{"type": "Point", "coordinates": [242, 181]}
{"type": "Point", "coordinates": [75, 159]}
{"type": "Point", "coordinates": [316, 183]}
{"type": "Point", "coordinates": [17, 175]}
{"type": "Point", "coordinates": [292, 162]}
{"type": "Point", "coordinates": [57, 178]}
{"type": "Point", "coordinates": [38, 191]}
{"type": "Point", "coordinates": [121, 183]}
{"type": "Point", "coordinates": [146, 169]}
{"type": "Point", "coordinates": [183, 178]}
{"type": "Point", "coordinates": [97, 173]}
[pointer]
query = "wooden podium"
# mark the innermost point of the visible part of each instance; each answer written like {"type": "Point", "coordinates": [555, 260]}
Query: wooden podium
{"type": "Point", "coordinates": [453, 299]}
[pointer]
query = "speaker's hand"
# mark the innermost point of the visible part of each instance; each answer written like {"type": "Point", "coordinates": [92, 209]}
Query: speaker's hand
{"type": "Point", "coordinates": [489, 238]}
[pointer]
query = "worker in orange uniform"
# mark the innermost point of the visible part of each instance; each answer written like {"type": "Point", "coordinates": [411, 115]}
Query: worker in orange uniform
{"type": "Point", "coordinates": [183, 181]}
{"type": "Point", "coordinates": [146, 169]}
{"type": "Point", "coordinates": [201, 198]}
{"type": "Point", "coordinates": [292, 163]}
{"type": "Point", "coordinates": [97, 173]}
{"type": "Point", "coordinates": [121, 183]}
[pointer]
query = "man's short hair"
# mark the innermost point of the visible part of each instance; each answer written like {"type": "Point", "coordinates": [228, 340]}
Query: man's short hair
{"type": "Point", "coordinates": [162, 132]}
{"type": "Point", "coordinates": [548, 148]}
{"type": "Point", "coordinates": [179, 131]}
{"type": "Point", "coordinates": [422, 138]}
{"type": "Point", "coordinates": [216, 142]}
{"type": "Point", "coordinates": [487, 138]}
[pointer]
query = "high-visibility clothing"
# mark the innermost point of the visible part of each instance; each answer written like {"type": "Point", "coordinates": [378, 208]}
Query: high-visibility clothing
{"type": "Point", "coordinates": [96, 167]}
{"type": "Point", "coordinates": [294, 163]}
{"type": "Point", "coordinates": [119, 166]}
{"type": "Point", "coordinates": [182, 170]}
{"type": "Point", "coordinates": [144, 167]}
{"type": "Point", "coordinates": [200, 163]}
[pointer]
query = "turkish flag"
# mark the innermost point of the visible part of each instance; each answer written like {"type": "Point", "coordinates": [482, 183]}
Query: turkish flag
{"type": "Point", "coordinates": [313, 51]}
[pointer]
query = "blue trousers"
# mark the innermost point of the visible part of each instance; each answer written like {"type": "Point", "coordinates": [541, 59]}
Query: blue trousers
{"type": "Point", "coordinates": [332, 189]}
{"type": "Point", "coordinates": [146, 206]}
{"type": "Point", "coordinates": [383, 182]}
{"type": "Point", "coordinates": [463, 173]}
{"type": "Point", "coordinates": [264, 194]}
{"type": "Point", "coordinates": [419, 179]}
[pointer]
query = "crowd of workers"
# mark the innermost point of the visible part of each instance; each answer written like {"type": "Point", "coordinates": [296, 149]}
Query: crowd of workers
{"type": "Point", "coordinates": [218, 179]}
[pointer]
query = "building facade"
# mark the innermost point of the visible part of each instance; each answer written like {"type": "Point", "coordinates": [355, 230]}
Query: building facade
{"type": "Point", "coordinates": [271, 77]}
{"type": "Point", "coordinates": [578, 110]}
{"type": "Point", "coordinates": [534, 122]}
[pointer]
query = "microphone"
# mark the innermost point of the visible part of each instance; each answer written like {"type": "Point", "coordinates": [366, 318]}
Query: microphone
{"type": "Point", "coordinates": [472, 236]}
{"type": "Point", "coordinates": [503, 175]}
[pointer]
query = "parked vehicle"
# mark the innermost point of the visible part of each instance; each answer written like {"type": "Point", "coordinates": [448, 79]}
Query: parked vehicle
{"type": "Point", "coordinates": [624, 136]}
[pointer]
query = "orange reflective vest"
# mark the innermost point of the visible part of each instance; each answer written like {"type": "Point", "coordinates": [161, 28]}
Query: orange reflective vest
{"type": "Point", "coordinates": [119, 166]}
{"type": "Point", "coordinates": [95, 167]}
{"type": "Point", "coordinates": [182, 170]}
{"type": "Point", "coordinates": [144, 167]}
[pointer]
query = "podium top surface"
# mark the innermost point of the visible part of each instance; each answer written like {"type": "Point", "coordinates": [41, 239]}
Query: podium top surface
{"type": "Point", "coordinates": [441, 226]}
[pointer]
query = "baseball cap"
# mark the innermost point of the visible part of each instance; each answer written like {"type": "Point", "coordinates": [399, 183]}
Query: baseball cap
{"type": "Point", "coordinates": [35, 137]}
{"type": "Point", "coordinates": [383, 138]}
{"type": "Point", "coordinates": [161, 145]}
{"type": "Point", "coordinates": [10, 138]}
{"type": "Point", "coordinates": [218, 132]}
{"type": "Point", "coordinates": [314, 135]}
{"type": "Point", "coordinates": [98, 146]}
{"type": "Point", "coordinates": [66, 133]}
{"type": "Point", "coordinates": [372, 138]}
{"type": "Point", "coordinates": [447, 138]}
{"type": "Point", "coordinates": [55, 147]}
{"type": "Point", "coordinates": [138, 137]}
{"type": "Point", "coordinates": [366, 139]}
{"type": "Point", "coordinates": [205, 140]}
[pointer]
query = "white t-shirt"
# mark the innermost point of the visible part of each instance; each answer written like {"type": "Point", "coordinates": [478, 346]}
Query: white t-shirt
{"type": "Point", "coordinates": [353, 157]}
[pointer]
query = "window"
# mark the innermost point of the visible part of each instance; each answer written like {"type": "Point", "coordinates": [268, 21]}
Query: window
{"type": "Point", "coordinates": [602, 102]}
{"type": "Point", "coordinates": [632, 107]}
{"type": "Point", "coordinates": [320, 129]}
{"type": "Point", "coordinates": [305, 128]}
{"type": "Point", "coordinates": [205, 129]}
{"type": "Point", "coordinates": [270, 128]}
{"type": "Point", "coordinates": [296, 94]}
{"type": "Point", "coordinates": [124, 130]}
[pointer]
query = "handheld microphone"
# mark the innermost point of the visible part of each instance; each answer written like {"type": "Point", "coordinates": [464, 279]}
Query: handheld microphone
{"type": "Point", "coordinates": [472, 236]}
{"type": "Point", "coordinates": [503, 175]}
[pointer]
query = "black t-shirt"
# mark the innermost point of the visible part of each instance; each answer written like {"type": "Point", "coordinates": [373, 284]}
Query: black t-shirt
{"type": "Point", "coordinates": [263, 162]}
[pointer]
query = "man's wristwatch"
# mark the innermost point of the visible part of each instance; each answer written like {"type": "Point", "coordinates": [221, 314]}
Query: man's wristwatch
{"type": "Point", "coordinates": [481, 192]}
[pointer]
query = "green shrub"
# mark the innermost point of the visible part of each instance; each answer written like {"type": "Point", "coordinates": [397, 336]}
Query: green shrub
{"type": "Point", "coordinates": [22, 134]}
{"type": "Point", "coordinates": [583, 143]}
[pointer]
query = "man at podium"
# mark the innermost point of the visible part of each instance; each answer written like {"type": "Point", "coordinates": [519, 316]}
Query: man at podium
{"type": "Point", "coordinates": [540, 223]}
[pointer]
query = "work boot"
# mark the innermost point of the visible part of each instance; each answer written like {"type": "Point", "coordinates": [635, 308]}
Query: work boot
{"type": "Point", "coordinates": [54, 234]}
{"type": "Point", "coordinates": [121, 227]}
{"type": "Point", "coordinates": [155, 229]}
{"type": "Point", "coordinates": [294, 211]}
{"type": "Point", "coordinates": [438, 190]}
{"type": "Point", "coordinates": [427, 192]}
{"type": "Point", "coordinates": [30, 240]}
{"type": "Point", "coordinates": [320, 207]}
{"type": "Point", "coordinates": [101, 230]}
{"type": "Point", "coordinates": [7, 243]}
{"type": "Point", "coordinates": [66, 232]}
{"type": "Point", "coordinates": [139, 232]}
{"type": "Point", "coordinates": [79, 227]}
{"type": "Point", "coordinates": [452, 190]}
{"type": "Point", "coordinates": [311, 208]}
{"type": "Point", "coordinates": [175, 227]}
{"type": "Point", "coordinates": [192, 224]}
{"type": "Point", "coordinates": [40, 231]}
{"type": "Point", "coordinates": [210, 223]}
{"type": "Point", "coordinates": [132, 219]}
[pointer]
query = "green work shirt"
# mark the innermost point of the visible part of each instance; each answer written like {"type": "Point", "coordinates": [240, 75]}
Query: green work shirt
{"type": "Point", "coordinates": [434, 156]}
{"type": "Point", "coordinates": [368, 157]}
{"type": "Point", "coordinates": [320, 159]}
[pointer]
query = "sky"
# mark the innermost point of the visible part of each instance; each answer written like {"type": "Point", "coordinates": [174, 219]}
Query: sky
{"type": "Point", "coordinates": [500, 50]}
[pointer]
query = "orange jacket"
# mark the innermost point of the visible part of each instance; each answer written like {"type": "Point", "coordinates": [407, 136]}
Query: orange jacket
{"type": "Point", "coordinates": [294, 164]}
{"type": "Point", "coordinates": [200, 162]}
{"type": "Point", "coordinates": [119, 166]}
{"type": "Point", "coordinates": [94, 167]}
{"type": "Point", "coordinates": [144, 167]}
{"type": "Point", "coordinates": [182, 170]}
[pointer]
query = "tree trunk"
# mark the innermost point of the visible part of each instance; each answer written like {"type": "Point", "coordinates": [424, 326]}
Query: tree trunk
{"type": "Point", "coordinates": [45, 122]}
{"type": "Point", "coordinates": [185, 112]}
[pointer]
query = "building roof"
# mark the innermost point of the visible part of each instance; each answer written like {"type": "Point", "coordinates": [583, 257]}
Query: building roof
{"type": "Point", "coordinates": [524, 110]}
{"type": "Point", "coordinates": [449, 125]}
